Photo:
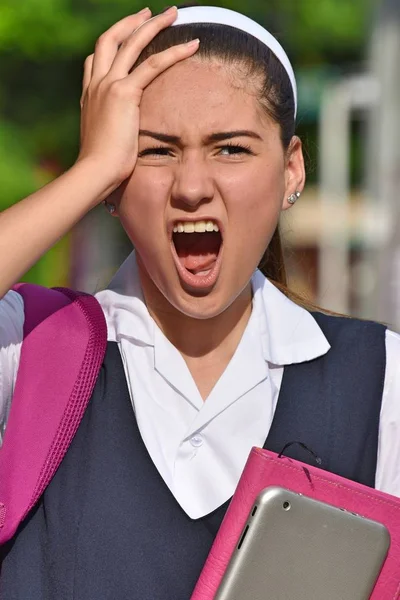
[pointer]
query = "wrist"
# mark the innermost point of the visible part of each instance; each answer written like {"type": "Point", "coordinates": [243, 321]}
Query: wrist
{"type": "Point", "coordinates": [95, 178]}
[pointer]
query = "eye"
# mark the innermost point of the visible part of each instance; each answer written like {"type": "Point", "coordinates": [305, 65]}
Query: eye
{"type": "Point", "coordinates": [234, 149]}
{"type": "Point", "coordinates": [155, 151]}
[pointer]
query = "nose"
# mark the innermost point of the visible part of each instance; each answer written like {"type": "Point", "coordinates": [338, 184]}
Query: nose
{"type": "Point", "coordinates": [193, 184]}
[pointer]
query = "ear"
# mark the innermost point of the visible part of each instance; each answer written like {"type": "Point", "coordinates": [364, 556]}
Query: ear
{"type": "Point", "coordinates": [295, 174]}
{"type": "Point", "coordinates": [114, 200]}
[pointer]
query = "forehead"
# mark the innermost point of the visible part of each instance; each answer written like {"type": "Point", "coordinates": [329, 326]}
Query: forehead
{"type": "Point", "coordinates": [198, 96]}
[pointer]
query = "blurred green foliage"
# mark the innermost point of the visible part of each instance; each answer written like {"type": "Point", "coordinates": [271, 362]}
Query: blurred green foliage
{"type": "Point", "coordinates": [43, 44]}
{"type": "Point", "coordinates": [17, 175]}
{"type": "Point", "coordinates": [66, 28]}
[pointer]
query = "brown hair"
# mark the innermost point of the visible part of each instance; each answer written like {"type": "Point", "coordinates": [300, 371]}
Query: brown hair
{"type": "Point", "coordinates": [243, 51]}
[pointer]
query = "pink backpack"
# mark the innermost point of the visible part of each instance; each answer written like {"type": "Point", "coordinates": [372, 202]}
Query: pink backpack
{"type": "Point", "coordinates": [65, 338]}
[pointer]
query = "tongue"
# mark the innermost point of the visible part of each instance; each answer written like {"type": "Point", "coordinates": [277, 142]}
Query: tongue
{"type": "Point", "coordinates": [197, 251]}
{"type": "Point", "coordinates": [198, 262]}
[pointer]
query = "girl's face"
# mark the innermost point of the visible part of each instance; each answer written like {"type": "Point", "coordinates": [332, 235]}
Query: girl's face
{"type": "Point", "coordinates": [209, 158]}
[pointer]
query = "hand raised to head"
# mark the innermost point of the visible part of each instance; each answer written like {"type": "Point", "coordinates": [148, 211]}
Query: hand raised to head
{"type": "Point", "coordinates": [111, 91]}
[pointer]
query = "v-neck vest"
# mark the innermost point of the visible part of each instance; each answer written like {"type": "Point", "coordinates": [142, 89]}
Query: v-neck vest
{"type": "Point", "coordinates": [108, 528]}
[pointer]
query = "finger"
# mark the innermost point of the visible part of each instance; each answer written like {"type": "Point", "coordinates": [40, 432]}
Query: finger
{"type": "Point", "coordinates": [108, 43]}
{"type": "Point", "coordinates": [157, 63]}
{"type": "Point", "coordinates": [138, 40]}
{"type": "Point", "coordinates": [87, 76]}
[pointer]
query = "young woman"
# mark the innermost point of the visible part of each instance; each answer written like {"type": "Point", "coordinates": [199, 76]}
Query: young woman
{"type": "Point", "coordinates": [191, 145]}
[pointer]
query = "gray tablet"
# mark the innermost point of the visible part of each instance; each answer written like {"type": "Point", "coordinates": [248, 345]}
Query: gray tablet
{"type": "Point", "coordinates": [296, 548]}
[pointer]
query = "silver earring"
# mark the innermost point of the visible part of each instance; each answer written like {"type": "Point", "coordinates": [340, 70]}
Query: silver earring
{"type": "Point", "coordinates": [294, 197]}
{"type": "Point", "coordinates": [110, 207]}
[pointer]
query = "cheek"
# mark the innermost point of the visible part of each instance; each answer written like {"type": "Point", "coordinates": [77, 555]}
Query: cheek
{"type": "Point", "coordinates": [256, 205]}
{"type": "Point", "coordinates": [142, 207]}
{"type": "Point", "coordinates": [253, 232]}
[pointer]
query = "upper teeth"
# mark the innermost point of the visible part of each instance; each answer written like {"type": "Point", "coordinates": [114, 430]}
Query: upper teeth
{"type": "Point", "coordinates": [195, 227]}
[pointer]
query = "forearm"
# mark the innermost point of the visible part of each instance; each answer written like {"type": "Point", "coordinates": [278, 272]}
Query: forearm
{"type": "Point", "coordinates": [28, 229]}
{"type": "Point", "coordinates": [109, 142]}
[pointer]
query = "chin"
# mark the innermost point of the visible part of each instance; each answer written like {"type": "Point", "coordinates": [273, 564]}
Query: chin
{"type": "Point", "coordinates": [201, 307]}
{"type": "Point", "coordinates": [203, 295]}
{"type": "Point", "coordinates": [204, 305]}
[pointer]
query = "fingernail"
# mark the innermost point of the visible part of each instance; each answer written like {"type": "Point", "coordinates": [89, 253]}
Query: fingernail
{"type": "Point", "coordinates": [193, 43]}
{"type": "Point", "coordinates": [144, 10]}
{"type": "Point", "coordinates": [169, 10]}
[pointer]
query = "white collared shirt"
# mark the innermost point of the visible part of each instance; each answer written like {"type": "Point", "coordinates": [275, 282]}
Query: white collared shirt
{"type": "Point", "coordinates": [198, 447]}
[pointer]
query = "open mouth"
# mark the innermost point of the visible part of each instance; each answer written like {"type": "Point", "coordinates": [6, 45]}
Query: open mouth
{"type": "Point", "coordinates": [197, 252]}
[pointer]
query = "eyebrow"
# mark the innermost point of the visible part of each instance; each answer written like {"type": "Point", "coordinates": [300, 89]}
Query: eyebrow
{"type": "Point", "coordinates": [228, 135]}
{"type": "Point", "coordinates": [162, 137]}
{"type": "Point", "coordinates": [214, 137]}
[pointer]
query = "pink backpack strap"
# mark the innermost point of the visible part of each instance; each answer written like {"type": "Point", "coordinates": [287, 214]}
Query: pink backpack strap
{"type": "Point", "coordinates": [65, 338]}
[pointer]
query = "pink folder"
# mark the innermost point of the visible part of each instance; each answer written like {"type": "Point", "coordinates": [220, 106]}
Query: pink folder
{"type": "Point", "coordinates": [264, 469]}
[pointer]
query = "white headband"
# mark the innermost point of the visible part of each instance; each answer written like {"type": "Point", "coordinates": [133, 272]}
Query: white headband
{"type": "Point", "coordinates": [224, 16]}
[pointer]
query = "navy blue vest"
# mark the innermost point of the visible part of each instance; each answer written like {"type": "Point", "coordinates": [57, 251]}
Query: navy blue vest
{"type": "Point", "coordinates": [108, 528]}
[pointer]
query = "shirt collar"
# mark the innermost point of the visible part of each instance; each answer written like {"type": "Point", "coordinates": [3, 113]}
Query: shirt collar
{"type": "Point", "coordinates": [289, 333]}
{"type": "Point", "coordinates": [124, 307]}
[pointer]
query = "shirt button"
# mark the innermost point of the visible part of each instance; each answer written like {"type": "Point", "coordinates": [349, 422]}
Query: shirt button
{"type": "Point", "coordinates": [197, 440]}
